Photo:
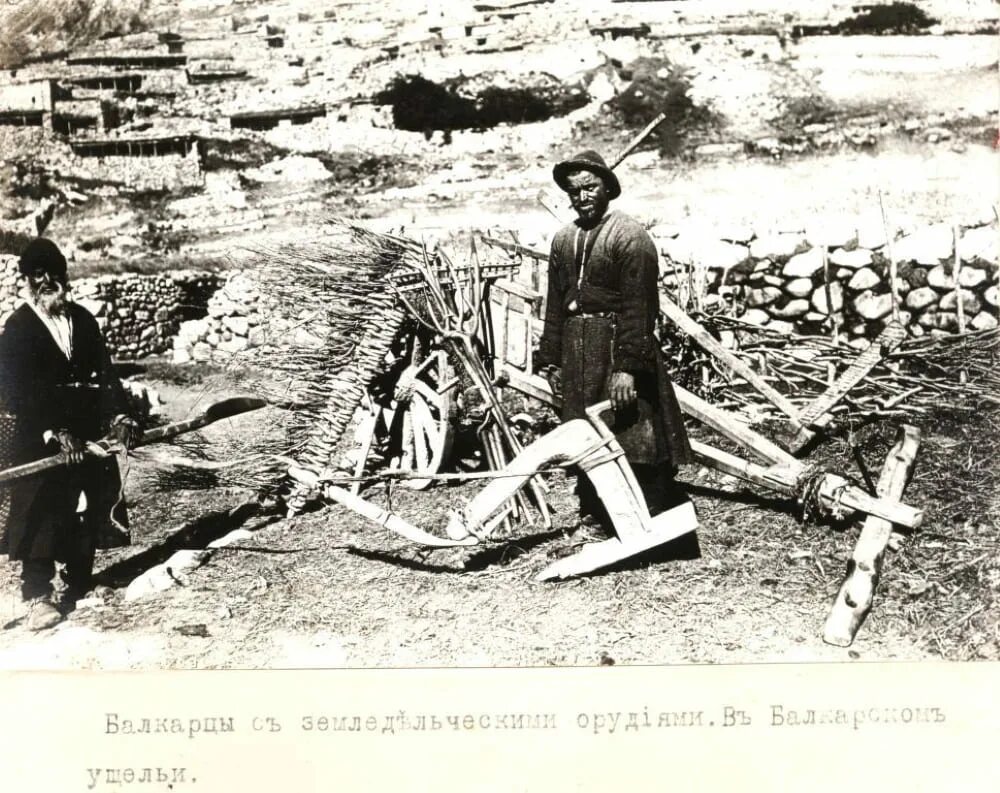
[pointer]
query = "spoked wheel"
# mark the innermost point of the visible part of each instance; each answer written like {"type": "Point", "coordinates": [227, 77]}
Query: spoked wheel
{"type": "Point", "coordinates": [420, 416]}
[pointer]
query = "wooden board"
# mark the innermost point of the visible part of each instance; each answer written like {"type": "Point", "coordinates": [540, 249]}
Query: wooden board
{"type": "Point", "coordinates": [854, 600]}
{"type": "Point", "coordinates": [816, 414]}
{"type": "Point", "coordinates": [736, 366]}
{"type": "Point", "coordinates": [593, 556]}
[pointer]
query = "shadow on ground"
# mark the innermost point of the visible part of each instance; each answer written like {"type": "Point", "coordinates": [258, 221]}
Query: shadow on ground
{"type": "Point", "coordinates": [195, 534]}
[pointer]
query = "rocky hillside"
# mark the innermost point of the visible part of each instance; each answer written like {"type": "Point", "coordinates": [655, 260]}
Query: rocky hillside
{"type": "Point", "coordinates": [172, 134]}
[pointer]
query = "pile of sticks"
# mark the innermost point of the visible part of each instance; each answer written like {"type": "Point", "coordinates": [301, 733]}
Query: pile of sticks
{"type": "Point", "coordinates": [335, 289]}
{"type": "Point", "coordinates": [919, 376]}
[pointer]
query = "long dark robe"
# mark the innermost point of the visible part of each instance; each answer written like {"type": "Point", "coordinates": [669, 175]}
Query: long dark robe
{"type": "Point", "coordinates": [40, 390]}
{"type": "Point", "coordinates": [619, 283]}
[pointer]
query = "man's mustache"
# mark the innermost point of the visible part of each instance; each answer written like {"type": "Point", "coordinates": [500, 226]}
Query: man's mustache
{"type": "Point", "coordinates": [52, 295]}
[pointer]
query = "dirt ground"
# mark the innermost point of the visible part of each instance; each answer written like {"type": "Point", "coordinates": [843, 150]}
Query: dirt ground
{"type": "Point", "coordinates": [329, 589]}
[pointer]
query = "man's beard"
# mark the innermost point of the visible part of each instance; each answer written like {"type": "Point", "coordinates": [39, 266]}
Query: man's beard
{"type": "Point", "coordinates": [591, 212]}
{"type": "Point", "coordinates": [53, 300]}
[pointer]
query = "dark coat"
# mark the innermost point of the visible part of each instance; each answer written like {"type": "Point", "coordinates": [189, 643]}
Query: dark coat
{"type": "Point", "coordinates": [619, 282]}
{"type": "Point", "coordinates": [40, 390]}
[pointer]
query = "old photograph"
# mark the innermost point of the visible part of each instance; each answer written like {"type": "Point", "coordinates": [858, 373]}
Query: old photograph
{"type": "Point", "coordinates": [513, 333]}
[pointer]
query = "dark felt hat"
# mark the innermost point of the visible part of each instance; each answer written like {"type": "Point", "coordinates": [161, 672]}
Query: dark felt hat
{"type": "Point", "coordinates": [41, 252]}
{"type": "Point", "coordinates": [588, 160]}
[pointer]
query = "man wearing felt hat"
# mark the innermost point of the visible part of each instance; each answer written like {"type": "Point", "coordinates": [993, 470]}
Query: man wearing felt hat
{"type": "Point", "coordinates": [599, 337]}
{"type": "Point", "coordinates": [58, 390]}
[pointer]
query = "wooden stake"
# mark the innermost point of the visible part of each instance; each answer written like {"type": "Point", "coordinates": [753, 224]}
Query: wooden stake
{"type": "Point", "coordinates": [854, 600]}
{"type": "Point", "coordinates": [996, 215]}
{"type": "Point", "coordinates": [956, 271]}
{"type": "Point", "coordinates": [893, 270]}
{"type": "Point", "coordinates": [834, 324]}
{"type": "Point", "coordinates": [369, 425]}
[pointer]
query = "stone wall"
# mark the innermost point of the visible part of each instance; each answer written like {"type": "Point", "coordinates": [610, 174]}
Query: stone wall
{"type": "Point", "coordinates": [140, 314]}
{"type": "Point", "coordinates": [234, 323]}
{"type": "Point", "coordinates": [165, 172]}
{"type": "Point", "coordinates": [774, 278]}
{"type": "Point", "coordinates": [802, 280]}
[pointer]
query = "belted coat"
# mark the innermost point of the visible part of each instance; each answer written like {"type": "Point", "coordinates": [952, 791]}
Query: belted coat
{"type": "Point", "coordinates": [600, 318]}
{"type": "Point", "coordinates": [42, 389]}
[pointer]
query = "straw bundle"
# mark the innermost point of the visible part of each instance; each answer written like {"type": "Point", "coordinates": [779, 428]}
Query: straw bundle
{"type": "Point", "coordinates": [338, 322]}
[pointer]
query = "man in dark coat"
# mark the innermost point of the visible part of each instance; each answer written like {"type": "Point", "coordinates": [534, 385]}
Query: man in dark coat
{"type": "Point", "coordinates": [599, 337]}
{"type": "Point", "coordinates": [58, 391]}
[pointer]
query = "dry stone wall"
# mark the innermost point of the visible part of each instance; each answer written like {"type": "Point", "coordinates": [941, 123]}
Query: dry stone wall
{"type": "Point", "coordinates": [806, 279]}
{"type": "Point", "coordinates": [139, 314]}
{"type": "Point", "coordinates": [234, 323]}
{"type": "Point", "coordinates": [165, 172]}
{"type": "Point", "coordinates": [790, 280]}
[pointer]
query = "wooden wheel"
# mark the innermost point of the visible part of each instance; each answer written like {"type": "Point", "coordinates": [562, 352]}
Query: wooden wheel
{"type": "Point", "coordinates": [420, 417]}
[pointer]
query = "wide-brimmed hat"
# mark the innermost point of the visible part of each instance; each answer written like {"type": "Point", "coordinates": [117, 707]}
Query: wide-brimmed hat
{"type": "Point", "coordinates": [588, 160]}
{"type": "Point", "coordinates": [42, 252]}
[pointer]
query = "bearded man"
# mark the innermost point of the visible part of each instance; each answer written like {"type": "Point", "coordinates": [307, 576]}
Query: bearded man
{"type": "Point", "coordinates": [58, 391]}
{"type": "Point", "coordinates": [599, 338]}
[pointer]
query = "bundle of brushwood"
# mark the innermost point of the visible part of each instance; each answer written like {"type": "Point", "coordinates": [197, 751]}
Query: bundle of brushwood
{"type": "Point", "coordinates": [345, 320]}
{"type": "Point", "coordinates": [916, 378]}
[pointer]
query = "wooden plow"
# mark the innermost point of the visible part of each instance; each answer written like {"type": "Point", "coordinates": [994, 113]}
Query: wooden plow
{"type": "Point", "coordinates": [457, 313]}
{"type": "Point", "coordinates": [767, 464]}
{"type": "Point", "coordinates": [585, 443]}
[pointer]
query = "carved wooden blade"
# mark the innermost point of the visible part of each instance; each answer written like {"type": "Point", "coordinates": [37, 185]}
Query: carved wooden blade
{"type": "Point", "coordinates": [593, 556]}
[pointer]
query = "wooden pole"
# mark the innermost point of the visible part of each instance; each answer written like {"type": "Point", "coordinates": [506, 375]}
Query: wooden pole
{"type": "Point", "coordinates": [711, 345]}
{"type": "Point", "coordinates": [816, 414]}
{"type": "Point", "coordinates": [956, 272]}
{"type": "Point", "coordinates": [637, 140]}
{"type": "Point", "coordinates": [387, 519]}
{"type": "Point", "coordinates": [854, 600]}
{"type": "Point", "coordinates": [834, 493]}
{"type": "Point", "coordinates": [996, 215]}
{"type": "Point", "coordinates": [834, 324]}
{"type": "Point", "coordinates": [547, 198]}
{"type": "Point", "coordinates": [893, 270]}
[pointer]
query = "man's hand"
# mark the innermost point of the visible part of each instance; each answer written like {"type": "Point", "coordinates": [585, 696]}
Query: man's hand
{"type": "Point", "coordinates": [554, 376]}
{"type": "Point", "coordinates": [126, 431]}
{"type": "Point", "coordinates": [622, 390]}
{"type": "Point", "coordinates": [70, 445]}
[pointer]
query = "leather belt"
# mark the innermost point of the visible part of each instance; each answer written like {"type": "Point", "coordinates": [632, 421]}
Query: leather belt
{"type": "Point", "coordinates": [595, 315]}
